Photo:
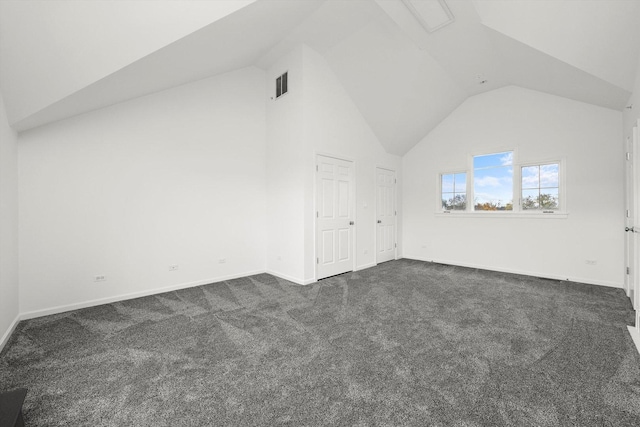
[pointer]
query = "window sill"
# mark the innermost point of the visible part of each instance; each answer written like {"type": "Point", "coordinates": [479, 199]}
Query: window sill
{"type": "Point", "coordinates": [493, 214]}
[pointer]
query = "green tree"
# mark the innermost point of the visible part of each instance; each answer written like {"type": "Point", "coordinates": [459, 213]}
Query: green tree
{"type": "Point", "coordinates": [457, 202]}
{"type": "Point", "coordinates": [548, 201]}
{"type": "Point", "coordinates": [544, 201]}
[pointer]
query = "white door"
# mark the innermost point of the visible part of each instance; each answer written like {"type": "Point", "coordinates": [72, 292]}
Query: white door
{"type": "Point", "coordinates": [629, 222]}
{"type": "Point", "coordinates": [385, 215]}
{"type": "Point", "coordinates": [335, 185]}
{"type": "Point", "coordinates": [634, 225]}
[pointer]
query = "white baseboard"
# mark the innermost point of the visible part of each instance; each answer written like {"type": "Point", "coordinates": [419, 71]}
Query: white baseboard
{"type": "Point", "coordinates": [365, 266]}
{"type": "Point", "coordinates": [525, 273]}
{"type": "Point", "coordinates": [290, 278]}
{"type": "Point", "coordinates": [123, 297]}
{"type": "Point", "coordinates": [309, 281]}
{"type": "Point", "coordinates": [635, 335]}
{"type": "Point", "coordinates": [7, 334]}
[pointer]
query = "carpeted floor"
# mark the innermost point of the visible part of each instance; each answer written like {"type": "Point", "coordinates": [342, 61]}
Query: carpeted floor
{"type": "Point", "coordinates": [403, 343]}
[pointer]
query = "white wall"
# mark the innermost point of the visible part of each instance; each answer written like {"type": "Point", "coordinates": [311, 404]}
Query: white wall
{"type": "Point", "coordinates": [177, 177]}
{"type": "Point", "coordinates": [8, 226]}
{"type": "Point", "coordinates": [540, 127]}
{"type": "Point", "coordinates": [285, 151]}
{"type": "Point", "coordinates": [632, 115]}
{"type": "Point", "coordinates": [315, 117]}
{"type": "Point", "coordinates": [333, 125]}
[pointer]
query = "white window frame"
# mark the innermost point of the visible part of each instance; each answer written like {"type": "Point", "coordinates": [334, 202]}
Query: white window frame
{"type": "Point", "coordinates": [471, 181]}
{"type": "Point", "coordinates": [517, 211]}
{"type": "Point", "coordinates": [562, 196]}
{"type": "Point", "coordinates": [439, 206]}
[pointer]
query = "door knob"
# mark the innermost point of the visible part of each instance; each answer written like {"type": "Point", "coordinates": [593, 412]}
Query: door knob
{"type": "Point", "coordinates": [629, 229]}
{"type": "Point", "coordinates": [379, 221]}
{"type": "Point", "coordinates": [351, 222]}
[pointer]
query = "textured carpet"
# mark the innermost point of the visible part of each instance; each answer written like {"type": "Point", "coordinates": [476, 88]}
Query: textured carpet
{"type": "Point", "coordinates": [403, 343]}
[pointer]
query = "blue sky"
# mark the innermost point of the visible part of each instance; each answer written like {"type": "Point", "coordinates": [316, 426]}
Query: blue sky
{"type": "Point", "coordinates": [493, 178]}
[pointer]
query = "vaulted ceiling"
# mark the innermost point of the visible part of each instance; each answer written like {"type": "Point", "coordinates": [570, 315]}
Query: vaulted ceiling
{"type": "Point", "coordinates": [63, 58]}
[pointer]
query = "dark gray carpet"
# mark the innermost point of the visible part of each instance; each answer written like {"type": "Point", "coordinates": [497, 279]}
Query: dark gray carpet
{"type": "Point", "coordinates": [403, 343]}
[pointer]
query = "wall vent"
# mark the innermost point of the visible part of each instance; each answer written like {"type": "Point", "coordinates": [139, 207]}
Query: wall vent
{"type": "Point", "coordinates": [282, 85]}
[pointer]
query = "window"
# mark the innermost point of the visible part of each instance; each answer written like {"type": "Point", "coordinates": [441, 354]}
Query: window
{"type": "Point", "coordinates": [493, 182]}
{"type": "Point", "coordinates": [540, 187]}
{"type": "Point", "coordinates": [454, 191]}
{"type": "Point", "coordinates": [281, 85]}
{"type": "Point", "coordinates": [498, 184]}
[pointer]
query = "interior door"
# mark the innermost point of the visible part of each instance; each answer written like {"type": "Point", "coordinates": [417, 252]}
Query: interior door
{"type": "Point", "coordinates": [634, 231]}
{"type": "Point", "coordinates": [334, 216]}
{"type": "Point", "coordinates": [385, 215]}
{"type": "Point", "coordinates": [629, 221]}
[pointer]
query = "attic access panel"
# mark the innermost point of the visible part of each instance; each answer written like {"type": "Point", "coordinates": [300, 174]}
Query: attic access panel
{"type": "Point", "coordinates": [431, 14]}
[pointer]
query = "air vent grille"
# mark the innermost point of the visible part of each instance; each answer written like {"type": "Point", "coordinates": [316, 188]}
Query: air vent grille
{"type": "Point", "coordinates": [282, 85]}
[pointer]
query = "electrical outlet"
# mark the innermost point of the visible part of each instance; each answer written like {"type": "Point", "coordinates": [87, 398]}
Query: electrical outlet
{"type": "Point", "coordinates": [279, 258]}
{"type": "Point", "coordinates": [173, 267]}
{"type": "Point", "coordinates": [591, 261]}
{"type": "Point", "coordinates": [366, 251]}
{"type": "Point", "coordinates": [99, 278]}
{"type": "Point", "coordinates": [222, 260]}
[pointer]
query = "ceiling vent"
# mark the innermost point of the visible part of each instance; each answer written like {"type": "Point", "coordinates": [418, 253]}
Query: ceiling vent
{"type": "Point", "coordinates": [432, 14]}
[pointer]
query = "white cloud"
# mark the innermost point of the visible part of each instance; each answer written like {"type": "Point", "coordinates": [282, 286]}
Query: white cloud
{"type": "Point", "coordinates": [548, 176]}
{"type": "Point", "coordinates": [488, 181]}
{"type": "Point", "coordinates": [507, 159]}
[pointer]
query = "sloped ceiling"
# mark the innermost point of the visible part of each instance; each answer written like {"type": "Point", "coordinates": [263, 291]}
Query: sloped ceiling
{"type": "Point", "coordinates": [62, 58]}
{"type": "Point", "coordinates": [51, 49]}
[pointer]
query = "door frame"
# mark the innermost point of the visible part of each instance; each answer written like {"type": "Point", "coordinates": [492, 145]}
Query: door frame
{"type": "Point", "coordinates": [630, 159]}
{"type": "Point", "coordinates": [375, 212]}
{"type": "Point", "coordinates": [635, 140]}
{"type": "Point", "coordinates": [354, 244]}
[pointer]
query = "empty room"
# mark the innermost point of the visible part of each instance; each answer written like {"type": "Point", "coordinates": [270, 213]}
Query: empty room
{"type": "Point", "coordinates": [320, 212]}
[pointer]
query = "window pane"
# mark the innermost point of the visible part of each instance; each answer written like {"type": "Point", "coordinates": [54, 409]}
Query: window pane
{"type": "Point", "coordinates": [447, 201]}
{"type": "Point", "coordinates": [460, 201]}
{"type": "Point", "coordinates": [531, 177]}
{"type": "Point", "coordinates": [460, 182]}
{"type": "Point", "coordinates": [549, 198]}
{"type": "Point", "coordinates": [447, 184]}
{"type": "Point", "coordinates": [453, 191]}
{"type": "Point", "coordinates": [493, 188]}
{"type": "Point", "coordinates": [540, 185]}
{"type": "Point", "coordinates": [530, 199]}
{"type": "Point", "coordinates": [549, 176]}
{"type": "Point", "coordinates": [493, 160]}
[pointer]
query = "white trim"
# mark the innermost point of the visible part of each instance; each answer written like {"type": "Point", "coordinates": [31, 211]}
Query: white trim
{"type": "Point", "coordinates": [606, 283]}
{"type": "Point", "coordinates": [635, 336]}
{"type": "Point", "coordinates": [365, 266]}
{"type": "Point", "coordinates": [354, 209]}
{"type": "Point", "coordinates": [471, 173]}
{"type": "Point", "coordinates": [375, 213]}
{"type": "Point", "coordinates": [503, 214]}
{"type": "Point", "coordinates": [562, 186]}
{"type": "Point", "coordinates": [422, 20]}
{"type": "Point", "coordinates": [291, 278]}
{"type": "Point", "coordinates": [439, 188]}
{"type": "Point", "coordinates": [5, 338]}
{"type": "Point", "coordinates": [124, 297]}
